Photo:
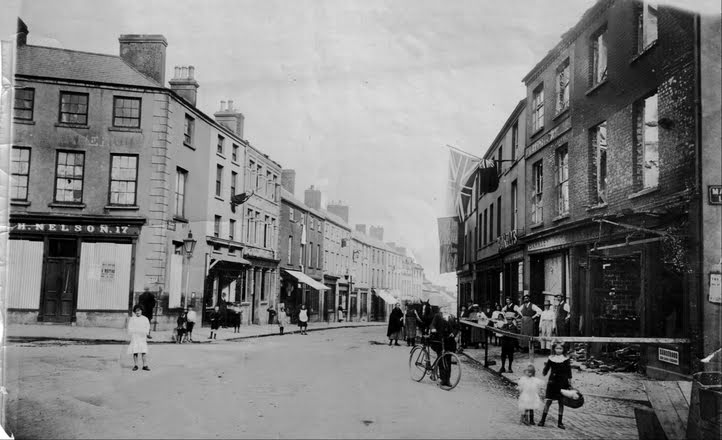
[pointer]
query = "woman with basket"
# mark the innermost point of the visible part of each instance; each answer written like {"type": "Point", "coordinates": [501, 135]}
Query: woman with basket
{"type": "Point", "coordinates": [559, 385]}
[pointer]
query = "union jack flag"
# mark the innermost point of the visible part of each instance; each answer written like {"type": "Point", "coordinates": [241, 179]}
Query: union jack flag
{"type": "Point", "coordinates": [461, 167]}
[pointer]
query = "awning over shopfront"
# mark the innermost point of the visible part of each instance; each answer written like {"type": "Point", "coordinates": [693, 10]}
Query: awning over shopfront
{"type": "Point", "coordinates": [386, 296]}
{"type": "Point", "coordinates": [307, 280]}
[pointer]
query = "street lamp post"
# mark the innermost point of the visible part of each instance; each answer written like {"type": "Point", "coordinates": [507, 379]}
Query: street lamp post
{"type": "Point", "coordinates": [189, 245]}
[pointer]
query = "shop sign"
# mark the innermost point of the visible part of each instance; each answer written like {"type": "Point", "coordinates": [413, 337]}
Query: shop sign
{"type": "Point", "coordinates": [715, 194]}
{"type": "Point", "coordinates": [715, 288]}
{"type": "Point", "coordinates": [547, 243]}
{"type": "Point", "coordinates": [67, 228]}
{"type": "Point", "coordinates": [507, 239]}
{"type": "Point", "coordinates": [550, 136]}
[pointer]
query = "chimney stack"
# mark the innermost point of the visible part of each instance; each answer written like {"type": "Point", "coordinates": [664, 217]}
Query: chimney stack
{"type": "Point", "coordinates": [230, 118]}
{"type": "Point", "coordinates": [339, 209]}
{"type": "Point", "coordinates": [288, 180]}
{"type": "Point", "coordinates": [184, 83]}
{"type": "Point", "coordinates": [312, 198]}
{"type": "Point", "coordinates": [361, 229]}
{"type": "Point", "coordinates": [21, 38]}
{"type": "Point", "coordinates": [146, 53]}
{"type": "Point", "coordinates": [377, 232]}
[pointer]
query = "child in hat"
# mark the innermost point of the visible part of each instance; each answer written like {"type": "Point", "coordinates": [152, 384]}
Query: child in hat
{"type": "Point", "coordinates": [508, 343]}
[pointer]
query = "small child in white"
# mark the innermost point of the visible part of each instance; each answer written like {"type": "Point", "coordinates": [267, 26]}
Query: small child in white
{"type": "Point", "coordinates": [138, 328]}
{"type": "Point", "coordinates": [529, 400]}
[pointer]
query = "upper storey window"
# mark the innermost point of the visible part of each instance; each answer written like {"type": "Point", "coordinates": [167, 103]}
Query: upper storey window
{"type": "Point", "coordinates": [74, 108]}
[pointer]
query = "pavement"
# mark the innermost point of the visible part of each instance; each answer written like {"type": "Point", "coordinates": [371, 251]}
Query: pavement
{"type": "Point", "coordinates": [347, 383]}
{"type": "Point", "coordinates": [621, 386]}
{"type": "Point", "coordinates": [105, 335]}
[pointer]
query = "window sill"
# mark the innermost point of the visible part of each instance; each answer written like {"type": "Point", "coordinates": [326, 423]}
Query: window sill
{"type": "Point", "coordinates": [23, 121]}
{"type": "Point", "coordinates": [180, 219]}
{"type": "Point", "coordinates": [561, 217]}
{"type": "Point", "coordinates": [536, 225]}
{"type": "Point", "coordinates": [19, 203]}
{"type": "Point", "coordinates": [221, 155]}
{"type": "Point", "coordinates": [595, 87]}
{"type": "Point", "coordinates": [595, 207]}
{"type": "Point", "coordinates": [126, 129]}
{"type": "Point", "coordinates": [122, 207]}
{"type": "Point", "coordinates": [643, 192]}
{"type": "Point", "coordinates": [537, 132]}
{"type": "Point", "coordinates": [219, 198]}
{"type": "Point", "coordinates": [645, 51]}
{"type": "Point", "coordinates": [561, 113]}
{"type": "Point", "coordinates": [68, 125]}
{"type": "Point", "coordinates": [235, 162]}
{"type": "Point", "coordinates": [189, 145]}
{"type": "Point", "coordinates": [67, 205]}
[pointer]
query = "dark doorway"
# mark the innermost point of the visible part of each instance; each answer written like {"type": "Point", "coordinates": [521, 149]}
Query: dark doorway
{"type": "Point", "coordinates": [61, 284]}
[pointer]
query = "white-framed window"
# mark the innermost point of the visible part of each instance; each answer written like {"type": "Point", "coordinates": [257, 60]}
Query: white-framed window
{"type": "Point", "coordinates": [646, 26]}
{"type": "Point", "coordinates": [219, 180]}
{"type": "Point", "coordinates": [537, 208]}
{"type": "Point", "coordinates": [69, 173]}
{"type": "Point", "coordinates": [20, 169]}
{"type": "Point", "coordinates": [250, 234]}
{"type": "Point", "coordinates": [537, 115]}
{"type": "Point", "coordinates": [188, 129]}
{"type": "Point", "coordinates": [123, 179]}
{"type": "Point", "coordinates": [598, 45]}
{"type": "Point", "coordinates": [126, 112]}
{"type": "Point", "coordinates": [220, 145]}
{"type": "Point", "coordinates": [217, 226]}
{"type": "Point", "coordinates": [234, 153]}
{"type": "Point", "coordinates": [647, 132]}
{"type": "Point", "coordinates": [562, 87]}
{"type": "Point", "coordinates": [181, 180]}
{"type": "Point", "coordinates": [231, 229]}
{"type": "Point", "coordinates": [234, 181]}
{"type": "Point", "coordinates": [562, 180]}
{"type": "Point", "coordinates": [598, 136]}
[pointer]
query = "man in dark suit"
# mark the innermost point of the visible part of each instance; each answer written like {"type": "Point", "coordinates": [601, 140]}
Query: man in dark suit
{"type": "Point", "coordinates": [444, 327]}
{"type": "Point", "coordinates": [147, 302]}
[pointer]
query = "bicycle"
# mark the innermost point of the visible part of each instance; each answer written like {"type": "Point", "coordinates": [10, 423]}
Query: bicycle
{"type": "Point", "coordinates": [420, 364]}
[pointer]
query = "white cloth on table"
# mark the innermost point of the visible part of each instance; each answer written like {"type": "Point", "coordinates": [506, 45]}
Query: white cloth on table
{"type": "Point", "coordinates": [529, 389]}
{"type": "Point", "coordinates": [138, 329]}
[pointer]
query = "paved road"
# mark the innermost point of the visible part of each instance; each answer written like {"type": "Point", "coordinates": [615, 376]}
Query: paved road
{"type": "Point", "coordinates": [337, 383]}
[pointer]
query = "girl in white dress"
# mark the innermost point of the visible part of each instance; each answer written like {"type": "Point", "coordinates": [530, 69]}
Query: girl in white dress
{"type": "Point", "coordinates": [529, 400]}
{"type": "Point", "coordinates": [138, 328]}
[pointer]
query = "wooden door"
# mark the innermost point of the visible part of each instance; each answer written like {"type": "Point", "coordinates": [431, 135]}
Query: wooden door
{"type": "Point", "coordinates": [61, 284]}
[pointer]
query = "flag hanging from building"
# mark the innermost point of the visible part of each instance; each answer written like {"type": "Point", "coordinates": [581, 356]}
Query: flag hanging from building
{"type": "Point", "coordinates": [488, 176]}
{"type": "Point", "coordinates": [448, 243]}
{"type": "Point", "coordinates": [461, 168]}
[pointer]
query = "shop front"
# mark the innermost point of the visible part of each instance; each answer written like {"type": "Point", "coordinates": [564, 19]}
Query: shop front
{"type": "Point", "coordinates": [329, 299]}
{"type": "Point", "coordinates": [226, 287]}
{"type": "Point", "coordinates": [299, 288]}
{"type": "Point", "coordinates": [71, 270]}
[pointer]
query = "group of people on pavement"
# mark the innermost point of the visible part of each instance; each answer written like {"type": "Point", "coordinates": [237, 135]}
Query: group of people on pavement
{"type": "Point", "coordinates": [283, 319]}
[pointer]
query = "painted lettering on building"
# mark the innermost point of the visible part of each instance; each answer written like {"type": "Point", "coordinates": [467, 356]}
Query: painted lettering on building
{"type": "Point", "coordinates": [507, 239]}
{"type": "Point", "coordinates": [549, 136]}
{"type": "Point", "coordinates": [67, 228]}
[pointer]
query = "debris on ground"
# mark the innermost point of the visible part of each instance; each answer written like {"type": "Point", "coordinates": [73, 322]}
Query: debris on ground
{"type": "Point", "coordinates": [623, 360]}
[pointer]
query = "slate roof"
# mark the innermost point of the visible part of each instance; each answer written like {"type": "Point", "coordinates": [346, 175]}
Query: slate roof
{"type": "Point", "coordinates": [53, 62]}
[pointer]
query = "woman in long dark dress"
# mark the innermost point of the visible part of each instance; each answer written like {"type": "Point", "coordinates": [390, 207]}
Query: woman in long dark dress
{"type": "Point", "coordinates": [396, 324]}
{"type": "Point", "coordinates": [560, 374]}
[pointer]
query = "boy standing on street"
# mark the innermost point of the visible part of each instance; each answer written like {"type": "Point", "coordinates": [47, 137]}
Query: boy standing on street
{"type": "Point", "coordinates": [508, 343]}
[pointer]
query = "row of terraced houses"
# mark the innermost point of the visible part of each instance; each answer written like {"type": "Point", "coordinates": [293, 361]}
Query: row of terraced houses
{"type": "Point", "coordinates": [115, 175]}
{"type": "Point", "coordinates": [609, 185]}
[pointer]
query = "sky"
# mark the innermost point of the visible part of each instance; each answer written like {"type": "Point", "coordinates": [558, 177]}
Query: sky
{"type": "Point", "coordinates": [359, 97]}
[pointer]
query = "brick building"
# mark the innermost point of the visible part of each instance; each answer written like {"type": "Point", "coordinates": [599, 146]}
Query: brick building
{"type": "Point", "coordinates": [610, 161]}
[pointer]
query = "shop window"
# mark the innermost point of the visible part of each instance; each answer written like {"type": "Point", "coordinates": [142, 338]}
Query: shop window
{"type": "Point", "coordinates": [69, 177]}
{"type": "Point", "coordinates": [647, 142]}
{"type": "Point", "coordinates": [24, 103]}
{"type": "Point", "coordinates": [562, 180]}
{"type": "Point", "coordinates": [20, 169]}
{"type": "Point", "coordinates": [74, 108]}
{"type": "Point", "coordinates": [123, 179]}
{"type": "Point", "coordinates": [126, 112]}
{"type": "Point", "coordinates": [598, 48]}
{"type": "Point", "coordinates": [598, 136]}
{"type": "Point", "coordinates": [537, 208]}
{"type": "Point", "coordinates": [180, 192]}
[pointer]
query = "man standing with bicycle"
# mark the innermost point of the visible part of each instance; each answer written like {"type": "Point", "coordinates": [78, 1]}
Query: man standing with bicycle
{"type": "Point", "coordinates": [444, 328]}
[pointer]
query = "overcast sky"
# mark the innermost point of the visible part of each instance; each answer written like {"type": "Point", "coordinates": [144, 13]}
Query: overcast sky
{"type": "Point", "coordinates": [359, 97]}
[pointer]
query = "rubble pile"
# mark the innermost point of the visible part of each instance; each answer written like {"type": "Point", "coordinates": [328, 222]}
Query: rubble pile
{"type": "Point", "coordinates": [625, 359]}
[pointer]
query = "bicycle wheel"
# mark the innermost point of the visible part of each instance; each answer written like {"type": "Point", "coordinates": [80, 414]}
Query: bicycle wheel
{"type": "Point", "coordinates": [454, 364]}
{"type": "Point", "coordinates": [418, 359]}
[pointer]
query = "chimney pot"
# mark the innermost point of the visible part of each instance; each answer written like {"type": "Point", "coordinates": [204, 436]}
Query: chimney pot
{"type": "Point", "coordinates": [230, 105]}
{"type": "Point", "coordinates": [191, 72]}
{"type": "Point", "coordinates": [223, 105]}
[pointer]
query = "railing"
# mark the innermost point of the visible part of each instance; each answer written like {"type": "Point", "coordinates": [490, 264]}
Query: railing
{"type": "Point", "coordinates": [585, 339]}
